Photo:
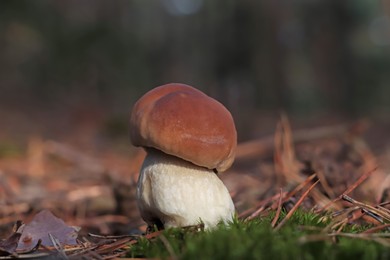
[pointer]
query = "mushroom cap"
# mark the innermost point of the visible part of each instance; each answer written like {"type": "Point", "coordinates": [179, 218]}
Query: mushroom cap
{"type": "Point", "coordinates": [184, 122]}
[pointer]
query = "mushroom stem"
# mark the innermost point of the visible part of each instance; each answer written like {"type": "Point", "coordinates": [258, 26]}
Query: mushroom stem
{"type": "Point", "coordinates": [174, 192]}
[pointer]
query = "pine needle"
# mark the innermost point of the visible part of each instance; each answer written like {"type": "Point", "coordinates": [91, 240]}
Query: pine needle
{"type": "Point", "coordinates": [291, 212]}
{"type": "Point", "coordinates": [273, 223]}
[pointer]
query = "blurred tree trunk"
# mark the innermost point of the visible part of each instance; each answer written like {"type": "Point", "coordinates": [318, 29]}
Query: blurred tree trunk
{"type": "Point", "coordinates": [329, 28]}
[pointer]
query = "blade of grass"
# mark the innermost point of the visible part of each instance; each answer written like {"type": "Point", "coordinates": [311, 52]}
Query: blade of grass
{"type": "Point", "coordinates": [169, 247]}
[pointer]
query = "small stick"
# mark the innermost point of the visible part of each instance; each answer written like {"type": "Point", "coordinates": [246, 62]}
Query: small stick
{"type": "Point", "coordinates": [377, 228]}
{"type": "Point", "coordinates": [260, 205]}
{"type": "Point", "coordinates": [259, 147]}
{"type": "Point", "coordinates": [325, 184]}
{"type": "Point", "coordinates": [288, 216]}
{"type": "Point", "coordinates": [299, 187]}
{"type": "Point", "coordinates": [255, 214]}
{"type": "Point", "coordinates": [360, 180]}
{"type": "Point", "coordinates": [278, 210]}
{"type": "Point", "coordinates": [57, 245]}
{"type": "Point", "coordinates": [111, 237]}
{"type": "Point", "coordinates": [107, 248]}
{"type": "Point", "coordinates": [377, 214]}
{"type": "Point", "coordinates": [384, 203]}
{"type": "Point", "coordinates": [350, 189]}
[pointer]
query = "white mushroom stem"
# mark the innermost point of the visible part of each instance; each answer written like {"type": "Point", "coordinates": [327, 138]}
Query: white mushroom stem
{"type": "Point", "coordinates": [174, 193]}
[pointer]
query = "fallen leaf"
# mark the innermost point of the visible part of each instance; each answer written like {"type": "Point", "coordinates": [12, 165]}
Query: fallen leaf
{"type": "Point", "coordinates": [43, 224]}
{"type": "Point", "coordinates": [8, 246]}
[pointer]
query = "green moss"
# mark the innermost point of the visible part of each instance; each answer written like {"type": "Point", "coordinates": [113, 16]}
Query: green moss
{"type": "Point", "coordinates": [257, 240]}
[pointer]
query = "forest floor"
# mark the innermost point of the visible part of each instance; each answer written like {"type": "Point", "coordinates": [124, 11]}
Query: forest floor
{"type": "Point", "coordinates": [83, 170]}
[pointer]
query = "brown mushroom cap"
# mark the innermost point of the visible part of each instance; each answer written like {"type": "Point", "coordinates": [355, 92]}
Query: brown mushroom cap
{"type": "Point", "coordinates": [184, 122]}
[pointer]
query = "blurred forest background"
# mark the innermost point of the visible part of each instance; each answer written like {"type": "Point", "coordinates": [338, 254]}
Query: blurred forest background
{"type": "Point", "coordinates": [87, 62]}
{"type": "Point", "coordinates": [70, 72]}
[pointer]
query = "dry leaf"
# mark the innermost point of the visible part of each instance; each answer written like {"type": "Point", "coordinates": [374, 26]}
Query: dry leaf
{"type": "Point", "coordinates": [43, 224]}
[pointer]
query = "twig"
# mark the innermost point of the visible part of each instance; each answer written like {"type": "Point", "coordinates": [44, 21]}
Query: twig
{"type": "Point", "coordinates": [265, 145]}
{"type": "Point", "coordinates": [57, 245]}
{"type": "Point", "coordinates": [360, 180]}
{"type": "Point", "coordinates": [377, 228]}
{"type": "Point", "coordinates": [259, 204]}
{"type": "Point", "coordinates": [112, 237]}
{"type": "Point", "coordinates": [325, 184]}
{"type": "Point", "coordinates": [273, 223]}
{"type": "Point", "coordinates": [299, 187]}
{"type": "Point", "coordinates": [74, 156]}
{"type": "Point", "coordinates": [384, 203]}
{"type": "Point", "coordinates": [291, 212]}
{"type": "Point", "coordinates": [153, 235]}
{"type": "Point", "coordinates": [104, 249]}
{"type": "Point", "coordinates": [369, 210]}
{"type": "Point", "coordinates": [255, 214]}
{"type": "Point", "coordinates": [349, 189]}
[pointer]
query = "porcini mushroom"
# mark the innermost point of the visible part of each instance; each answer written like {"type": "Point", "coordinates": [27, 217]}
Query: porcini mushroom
{"type": "Point", "coordinates": [189, 137]}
